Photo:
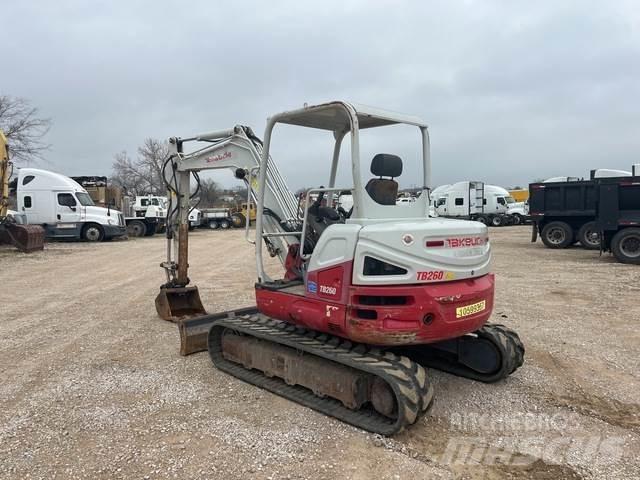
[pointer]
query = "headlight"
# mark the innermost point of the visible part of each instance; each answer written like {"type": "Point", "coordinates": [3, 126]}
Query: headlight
{"type": "Point", "coordinates": [111, 221]}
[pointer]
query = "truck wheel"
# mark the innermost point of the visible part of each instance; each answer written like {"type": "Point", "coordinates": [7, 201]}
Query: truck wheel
{"type": "Point", "coordinates": [517, 219]}
{"type": "Point", "coordinates": [213, 224]}
{"type": "Point", "coordinates": [589, 236]}
{"type": "Point", "coordinates": [92, 232]}
{"type": "Point", "coordinates": [224, 224]}
{"type": "Point", "coordinates": [557, 235]}
{"type": "Point", "coordinates": [136, 228]}
{"type": "Point", "coordinates": [239, 220]}
{"type": "Point", "coordinates": [482, 219]}
{"type": "Point", "coordinates": [496, 221]}
{"type": "Point", "coordinates": [625, 246]}
{"type": "Point", "coordinates": [151, 230]}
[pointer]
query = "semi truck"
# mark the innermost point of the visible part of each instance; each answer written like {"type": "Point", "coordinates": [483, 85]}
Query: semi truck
{"type": "Point", "coordinates": [143, 214]}
{"type": "Point", "coordinates": [63, 207]}
{"type": "Point", "coordinates": [474, 200]}
{"type": "Point", "coordinates": [563, 210]}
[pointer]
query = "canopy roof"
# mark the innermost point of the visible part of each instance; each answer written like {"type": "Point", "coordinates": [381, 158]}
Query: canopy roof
{"type": "Point", "coordinates": [335, 116]}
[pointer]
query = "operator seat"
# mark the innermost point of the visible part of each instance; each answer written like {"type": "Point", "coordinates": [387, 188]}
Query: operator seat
{"type": "Point", "coordinates": [384, 190]}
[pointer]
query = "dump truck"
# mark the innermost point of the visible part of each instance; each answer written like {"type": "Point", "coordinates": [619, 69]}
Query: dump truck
{"type": "Point", "coordinates": [563, 210]}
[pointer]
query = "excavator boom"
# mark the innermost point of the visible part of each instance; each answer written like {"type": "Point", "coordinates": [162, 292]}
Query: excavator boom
{"type": "Point", "coordinates": [236, 149]}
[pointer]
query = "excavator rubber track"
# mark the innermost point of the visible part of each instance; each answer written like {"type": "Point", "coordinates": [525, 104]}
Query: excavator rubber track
{"type": "Point", "coordinates": [463, 356]}
{"type": "Point", "coordinates": [412, 392]}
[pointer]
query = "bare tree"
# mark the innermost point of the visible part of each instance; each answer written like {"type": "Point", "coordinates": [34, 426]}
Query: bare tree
{"type": "Point", "coordinates": [126, 176]}
{"type": "Point", "coordinates": [144, 174]}
{"type": "Point", "coordinates": [23, 128]}
{"type": "Point", "coordinates": [209, 192]}
{"type": "Point", "coordinates": [151, 157]}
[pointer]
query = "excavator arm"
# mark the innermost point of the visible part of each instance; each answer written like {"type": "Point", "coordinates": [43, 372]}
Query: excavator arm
{"type": "Point", "coordinates": [236, 149]}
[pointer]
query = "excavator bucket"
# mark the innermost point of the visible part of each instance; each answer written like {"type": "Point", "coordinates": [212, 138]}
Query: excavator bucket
{"type": "Point", "coordinates": [26, 238]}
{"type": "Point", "coordinates": [178, 303]}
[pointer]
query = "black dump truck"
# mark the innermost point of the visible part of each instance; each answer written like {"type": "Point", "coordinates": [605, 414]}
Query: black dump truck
{"type": "Point", "coordinates": [564, 213]}
{"type": "Point", "coordinates": [618, 216]}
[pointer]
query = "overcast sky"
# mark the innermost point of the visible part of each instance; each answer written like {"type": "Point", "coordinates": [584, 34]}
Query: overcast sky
{"type": "Point", "coordinates": [512, 90]}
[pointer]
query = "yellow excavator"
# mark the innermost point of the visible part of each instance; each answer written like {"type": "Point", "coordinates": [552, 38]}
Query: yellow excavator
{"type": "Point", "coordinates": [26, 238]}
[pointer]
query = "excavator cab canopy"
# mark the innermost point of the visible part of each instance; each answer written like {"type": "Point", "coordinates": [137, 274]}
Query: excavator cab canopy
{"type": "Point", "coordinates": [373, 202]}
{"type": "Point", "coordinates": [338, 116]}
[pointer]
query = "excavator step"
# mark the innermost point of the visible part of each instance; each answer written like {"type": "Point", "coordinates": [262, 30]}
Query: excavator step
{"type": "Point", "coordinates": [194, 331]}
{"type": "Point", "coordinates": [366, 387]}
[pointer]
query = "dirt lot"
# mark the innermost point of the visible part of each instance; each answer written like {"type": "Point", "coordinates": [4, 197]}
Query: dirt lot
{"type": "Point", "coordinates": [92, 385]}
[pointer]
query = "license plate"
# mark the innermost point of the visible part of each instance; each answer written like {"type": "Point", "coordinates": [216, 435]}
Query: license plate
{"type": "Point", "coordinates": [470, 309]}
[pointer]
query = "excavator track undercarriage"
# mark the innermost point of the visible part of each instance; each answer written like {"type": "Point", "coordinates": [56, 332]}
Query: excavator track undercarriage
{"type": "Point", "coordinates": [372, 389]}
{"type": "Point", "coordinates": [379, 390]}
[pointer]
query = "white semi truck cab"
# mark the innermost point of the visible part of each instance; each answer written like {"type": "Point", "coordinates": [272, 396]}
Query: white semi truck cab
{"type": "Point", "coordinates": [474, 200]}
{"type": "Point", "coordinates": [64, 208]}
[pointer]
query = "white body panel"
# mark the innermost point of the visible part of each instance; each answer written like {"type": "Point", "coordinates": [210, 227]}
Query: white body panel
{"type": "Point", "coordinates": [404, 244]}
{"type": "Point", "coordinates": [337, 245]}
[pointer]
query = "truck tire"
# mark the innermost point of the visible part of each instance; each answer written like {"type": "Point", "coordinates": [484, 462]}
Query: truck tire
{"type": "Point", "coordinates": [517, 219]}
{"type": "Point", "coordinates": [496, 221]}
{"type": "Point", "coordinates": [151, 230]}
{"type": "Point", "coordinates": [213, 224]}
{"type": "Point", "coordinates": [92, 232]}
{"type": "Point", "coordinates": [224, 224]}
{"type": "Point", "coordinates": [557, 235]}
{"type": "Point", "coordinates": [589, 236]}
{"type": "Point", "coordinates": [239, 220]}
{"type": "Point", "coordinates": [482, 219]}
{"type": "Point", "coordinates": [136, 228]}
{"type": "Point", "coordinates": [625, 246]}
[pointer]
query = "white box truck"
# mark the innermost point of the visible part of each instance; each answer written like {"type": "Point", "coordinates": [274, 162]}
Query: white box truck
{"type": "Point", "coordinates": [63, 207]}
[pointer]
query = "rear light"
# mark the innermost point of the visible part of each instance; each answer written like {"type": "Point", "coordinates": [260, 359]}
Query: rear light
{"type": "Point", "coordinates": [435, 243]}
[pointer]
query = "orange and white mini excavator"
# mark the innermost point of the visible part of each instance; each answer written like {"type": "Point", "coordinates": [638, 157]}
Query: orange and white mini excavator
{"type": "Point", "coordinates": [367, 298]}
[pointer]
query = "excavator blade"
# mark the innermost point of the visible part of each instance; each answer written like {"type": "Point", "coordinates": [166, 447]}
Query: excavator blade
{"type": "Point", "coordinates": [26, 238]}
{"type": "Point", "coordinates": [194, 331]}
{"type": "Point", "coordinates": [179, 303]}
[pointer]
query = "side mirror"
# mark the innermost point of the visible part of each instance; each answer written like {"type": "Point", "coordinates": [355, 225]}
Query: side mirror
{"type": "Point", "coordinates": [72, 208]}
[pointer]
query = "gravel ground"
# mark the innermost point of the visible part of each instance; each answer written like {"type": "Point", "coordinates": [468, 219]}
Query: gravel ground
{"type": "Point", "coordinates": [92, 385]}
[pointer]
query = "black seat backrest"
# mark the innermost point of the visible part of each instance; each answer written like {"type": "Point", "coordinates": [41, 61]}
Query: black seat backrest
{"type": "Point", "coordinates": [384, 190]}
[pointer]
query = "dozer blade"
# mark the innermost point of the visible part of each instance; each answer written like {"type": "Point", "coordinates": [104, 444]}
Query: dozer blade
{"type": "Point", "coordinates": [178, 303]}
{"type": "Point", "coordinates": [194, 331]}
{"type": "Point", "coordinates": [26, 238]}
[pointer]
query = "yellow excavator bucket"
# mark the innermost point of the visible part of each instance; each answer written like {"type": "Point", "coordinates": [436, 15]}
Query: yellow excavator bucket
{"type": "Point", "coordinates": [179, 303]}
{"type": "Point", "coordinates": [26, 238]}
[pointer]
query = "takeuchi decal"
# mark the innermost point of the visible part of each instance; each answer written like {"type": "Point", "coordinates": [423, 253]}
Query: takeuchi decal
{"type": "Point", "coordinates": [218, 158]}
{"type": "Point", "coordinates": [465, 242]}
